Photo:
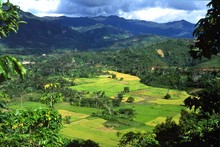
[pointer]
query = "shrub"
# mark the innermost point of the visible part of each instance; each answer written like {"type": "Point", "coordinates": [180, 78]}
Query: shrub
{"type": "Point", "coordinates": [82, 143]}
{"type": "Point", "coordinates": [138, 139]}
{"type": "Point", "coordinates": [114, 76]}
{"type": "Point", "coordinates": [130, 100]}
{"type": "Point", "coordinates": [126, 89]}
{"type": "Point", "coordinates": [120, 95]}
{"type": "Point", "coordinates": [167, 96]}
{"type": "Point", "coordinates": [126, 113]}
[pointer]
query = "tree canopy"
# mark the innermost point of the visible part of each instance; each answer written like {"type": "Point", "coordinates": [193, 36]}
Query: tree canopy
{"type": "Point", "coordinates": [207, 33]}
{"type": "Point", "coordinates": [10, 18]}
{"type": "Point", "coordinates": [38, 127]}
{"type": "Point", "coordinates": [9, 22]}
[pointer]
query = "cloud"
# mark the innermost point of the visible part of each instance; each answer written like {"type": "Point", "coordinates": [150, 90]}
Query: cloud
{"type": "Point", "coordinates": [163, 15]}
{"type": "Point", "coordinates": [95, 7]}
{"type": "Point", "coordinates": [152, 10]}
{"type": "Point", "coordinates": [181, 4]}
{"type": "Point", "coordinates": [37, 6]}
{"type": "Point", "coordinates": [92, 3]}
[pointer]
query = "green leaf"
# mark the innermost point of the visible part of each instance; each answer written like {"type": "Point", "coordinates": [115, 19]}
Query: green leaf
{"type": "Point", "coordinates": [9, 66]}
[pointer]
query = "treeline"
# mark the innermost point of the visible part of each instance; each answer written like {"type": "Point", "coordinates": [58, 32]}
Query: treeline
{"type": "Point", "coordinates": [180, 78]}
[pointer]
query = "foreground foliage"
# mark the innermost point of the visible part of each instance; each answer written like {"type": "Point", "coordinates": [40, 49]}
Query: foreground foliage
{"type": "Point", "coordinates": [82, 143]}
{"type": "Point", "coordinates": [10, 18]}
{"type": "Point", "coordinates": [9, 66]}
{"type": "Point", "coordinates": [207, 33]}
{"type": "Point", "coordinates": [9, 22]}
{"type": "Point", "coordinates": [38, 127]}
{"type": "Point", "coordinates": [138, 139]}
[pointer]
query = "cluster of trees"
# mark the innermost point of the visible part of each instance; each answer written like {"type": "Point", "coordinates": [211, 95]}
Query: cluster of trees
{"type": "Point", "coordinates": [202, 79]}
{"type": "Point", "coordinates": [96, 99]}
{"type": "Point", "coordinates": [55, 68]}
{"type": "Point", "coordinates": [124, 113]}
{"type": "Point", "coordinates": [179, 78]}
{"type": "Point", "coordinates": [116, 118]}
{"type": "Point", "coordinates": [173, 77]}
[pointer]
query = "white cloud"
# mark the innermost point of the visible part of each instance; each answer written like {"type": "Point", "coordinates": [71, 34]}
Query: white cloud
{"type": "Point", "coordinates": [42, 14]}
{"type": "Point", "coordinates": [162, 15]}
{"type": "Point", "coordinates": [42, 6]}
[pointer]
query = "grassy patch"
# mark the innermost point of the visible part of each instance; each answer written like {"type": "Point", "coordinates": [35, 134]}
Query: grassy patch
{"type": "Point", "coordinates": [72, 114]}
{"type": "Point", "coordinates": [91, 129]}
{"type": "Point", "coordinates": [141, 92]}
{"type": "Point", "coordinates": [126, 77]}
{"type": "Point", "coordinates": [156, 121]}
{"type": "Point", "coordinates": [149, 112]}
{"type": "Point", "coordinates": [110, 86]}
{"type": "Point", "coordinates": [26, 105]}
{"type": "Point", "coordinates": [82, 110]}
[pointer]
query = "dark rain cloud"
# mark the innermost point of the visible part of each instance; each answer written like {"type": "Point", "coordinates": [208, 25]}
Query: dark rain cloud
{"type": "Point", "coordinates": [113, 7]}
{"type": "Point", "coordinates": [92, 3]}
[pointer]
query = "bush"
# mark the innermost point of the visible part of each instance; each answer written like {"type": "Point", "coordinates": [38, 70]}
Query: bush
{"type": "Point", "coordinates": [116, 102]}
{"type": "Point", "coordinates": [114, 76]}
{"type": "Point", "coordinates": [121, 79]}
{"type": "Point", "coordinates": [82, 143]}
{"type": "Point", "coordinates": [126, 89]}
{"type": "Point", "coordinates": [130, 100]}
{"type": "Point", "coordinates": [120, 95]}
{"type": "Point", "coordinates": [146, 139]}
{"type": "Point", "coordinates": [126, 113]}
{"type": "Point", "coordinates": [167, 96]}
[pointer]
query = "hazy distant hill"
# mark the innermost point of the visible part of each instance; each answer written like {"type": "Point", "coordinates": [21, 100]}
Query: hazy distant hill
{"type": "Point", "coordinates": [86, 33]}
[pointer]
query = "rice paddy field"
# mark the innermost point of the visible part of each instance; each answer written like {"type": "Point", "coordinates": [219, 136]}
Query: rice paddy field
{"type": "Point", "coordinates": [149, 105]}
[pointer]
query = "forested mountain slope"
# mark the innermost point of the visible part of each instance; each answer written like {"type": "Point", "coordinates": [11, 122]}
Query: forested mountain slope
{"type": "Point", "coordinates": [85, 33]}
{"type": "Point", "coordinates": [176, 29]}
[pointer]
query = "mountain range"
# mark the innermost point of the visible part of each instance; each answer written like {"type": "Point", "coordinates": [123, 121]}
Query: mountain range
{"type": "Point", "coordinates": [84, 33]}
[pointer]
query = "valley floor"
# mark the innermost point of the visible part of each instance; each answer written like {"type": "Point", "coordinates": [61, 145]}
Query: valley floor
{"type": "Point", "coordinates": [149, 105]}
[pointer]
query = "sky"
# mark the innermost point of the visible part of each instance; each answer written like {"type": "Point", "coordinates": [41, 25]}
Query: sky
{"type": "Point", "coordinates": [160, 11]}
